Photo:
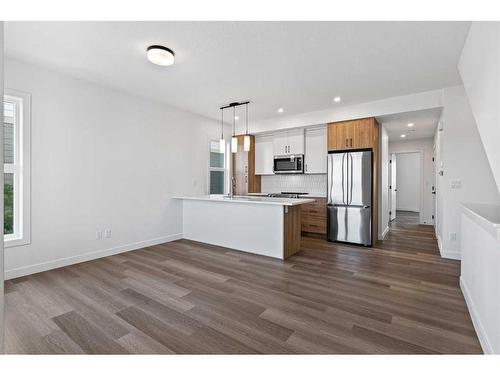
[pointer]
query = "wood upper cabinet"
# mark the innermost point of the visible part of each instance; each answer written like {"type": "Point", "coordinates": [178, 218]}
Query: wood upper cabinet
{"type": "Point", "coordinates": [244, 178]}
{"type": "Point", "coordinates": [354, 134]}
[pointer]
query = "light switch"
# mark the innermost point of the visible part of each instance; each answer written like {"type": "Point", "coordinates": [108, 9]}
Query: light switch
{"type": "Point", "coordinates": [456, 184]}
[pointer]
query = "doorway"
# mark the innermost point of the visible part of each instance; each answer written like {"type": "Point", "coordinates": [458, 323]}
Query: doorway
{"type": "Point", "coordinates": [405, 187]}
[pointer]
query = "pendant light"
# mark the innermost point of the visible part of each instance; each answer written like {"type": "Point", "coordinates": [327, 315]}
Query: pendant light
{"type": "Point", "coordinates": [222, 142]}
{"type": "Point", "coordinates": [246, 138]}
{"type": "Point", "coordinates": [234, 140]}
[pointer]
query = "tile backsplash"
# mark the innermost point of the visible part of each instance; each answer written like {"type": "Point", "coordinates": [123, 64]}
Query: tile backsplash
{"type": "Point", "coordinates": [302, 183]}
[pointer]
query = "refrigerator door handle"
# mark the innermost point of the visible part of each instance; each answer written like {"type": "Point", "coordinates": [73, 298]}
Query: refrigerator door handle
{"type": "Point", "coordinates": [343, 160]}
{"type": "Point", "coordinates": [352, 175]}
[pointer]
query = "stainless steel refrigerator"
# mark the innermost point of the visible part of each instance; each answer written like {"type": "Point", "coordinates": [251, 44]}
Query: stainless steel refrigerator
{"type": "Point", "coordinates": [350, 197]}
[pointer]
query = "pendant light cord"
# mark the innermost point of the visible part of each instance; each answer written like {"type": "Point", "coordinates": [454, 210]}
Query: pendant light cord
{"type": "Point", "coordinates": [246, 110]}
{"type": "Point", "coordinates": [222, 124]}
{"type": "Point", "coordinates": [234, 121]}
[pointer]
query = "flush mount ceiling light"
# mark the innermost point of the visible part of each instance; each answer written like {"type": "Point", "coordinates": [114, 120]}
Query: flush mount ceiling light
{"type": "Point", "coordinates": [403, 135]}
{"type": "Point", "coordinates": [280, 110]}
{"type": "Point", "coordinates": [337, 99]}
{"type": "Point", "coordinates": [160, 55]}
{"type": "Point", "coordinates": [236, 118]}
{"type": "Point", "coordinates": [410, 125]}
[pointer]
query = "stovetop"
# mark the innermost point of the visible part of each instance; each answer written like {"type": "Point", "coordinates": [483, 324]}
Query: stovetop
{"type": "Point", "coordinates": [286, 194]}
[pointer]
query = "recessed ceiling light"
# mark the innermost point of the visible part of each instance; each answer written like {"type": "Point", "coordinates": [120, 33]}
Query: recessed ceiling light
{"type": "Point", "coordinates": [236, 118]}
{"type": "Point", "coordinates": [410, 124]}
{"type": "Point", "coordinates": [160, 55]}
{"type": "Point", "coordinates": [337, 99]}
{"type": "Point", "coordinates": [403, 135]}
{"type": "Point", "coordinates": [280, 110]}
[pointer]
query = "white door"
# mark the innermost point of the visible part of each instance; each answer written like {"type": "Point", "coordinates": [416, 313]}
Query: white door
{"type": "Point", "coordinates": [295, 140]}
{"type": "Point", "coordinates": [280, 144]}
{"type": "Point", "coordinates": [392, 187]}
{"type": "Point", "coordinates": [316, 151]}
{"type": "Point", "coordinates": [264, 155]}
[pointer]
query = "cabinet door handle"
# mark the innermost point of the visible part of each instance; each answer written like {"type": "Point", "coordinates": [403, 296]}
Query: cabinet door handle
{"type": "Point", "coordinates": [351, 142]}
{"type": "Point", "coordinates": [306, 167]}
{"type": "Point", "coordinates": [346, 142]}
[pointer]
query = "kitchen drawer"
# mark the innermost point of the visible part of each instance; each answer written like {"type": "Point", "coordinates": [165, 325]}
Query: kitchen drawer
{"type": "Point", "coordinates": [314, 228]}
{"type": "Point", "coordinates": [317, 208]}
{"type": "Point", "coordinates": [313, 224]}
{"type": "Point", "coordinates": [314, 210]}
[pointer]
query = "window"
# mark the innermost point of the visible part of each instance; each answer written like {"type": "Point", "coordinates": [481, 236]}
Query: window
{"type": "Point", "coordinates": [216, 169]}
{"type": "Point", "coordinates": [16, 141]}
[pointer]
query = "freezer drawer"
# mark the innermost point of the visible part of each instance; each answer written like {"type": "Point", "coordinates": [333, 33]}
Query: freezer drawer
{"type": "Point", "coordinates": [350, 224]}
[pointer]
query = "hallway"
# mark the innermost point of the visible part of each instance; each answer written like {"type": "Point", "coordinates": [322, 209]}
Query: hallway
{"type": "Point", "coordinates": [405, 230]}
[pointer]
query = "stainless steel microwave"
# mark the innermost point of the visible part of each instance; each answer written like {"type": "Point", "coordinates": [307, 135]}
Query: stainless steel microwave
{"type": "Point", "coordinates": [288, 164]}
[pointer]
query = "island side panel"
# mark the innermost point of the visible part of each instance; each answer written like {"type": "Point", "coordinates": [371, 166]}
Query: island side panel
{"type": "Point", "coordinates": [292, 230]}
{"type": "Point", "coordinates": [253, 228]}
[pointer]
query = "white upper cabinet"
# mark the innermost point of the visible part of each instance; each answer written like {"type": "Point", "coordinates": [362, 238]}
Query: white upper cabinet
{"type": "Point", "coordinates": [316, 151]}
{"type": "Point", "coordinates": [264, 154]}
{"type": "Point", "coordinates": [289, 142]}
{"type": "Point", "coordinates": [280, 144]}
{"type": "Point", "coordinates": [295, 141]}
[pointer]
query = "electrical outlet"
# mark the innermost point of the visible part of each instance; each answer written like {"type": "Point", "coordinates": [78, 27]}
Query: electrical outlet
{"type": "Point", "coordinates": [453, 236]}
{"type": "Point", "coordinates": [107, 233]}
{"type": "Point", "coordinates": [98, 235]}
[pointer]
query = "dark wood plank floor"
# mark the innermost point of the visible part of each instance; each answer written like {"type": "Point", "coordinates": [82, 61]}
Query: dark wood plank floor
{"type": "Point", "coordinates": [187, 297]}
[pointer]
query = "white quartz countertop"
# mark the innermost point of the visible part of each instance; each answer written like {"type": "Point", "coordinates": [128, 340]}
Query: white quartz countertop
{"type": "Point", "coordinates": [250, 200]}
{"type": "Point", "coordinates": [486, 215]}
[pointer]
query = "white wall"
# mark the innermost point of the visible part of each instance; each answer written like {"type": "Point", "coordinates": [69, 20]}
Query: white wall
{"type": "Point", "coordinates": [384, 183]}
{"type": "Point", "coordinates": [479, 68]}
{"type": "Point", "coordinates": [425, 148]}
{"type": "Point", "coordinates": [408, 182]}
{"type": "Point", "coordinates": [340, 112]}
{"type": "Point", "coordinates": [103, 159]}
{"type": "Point", "coordinates": [479, 280]}
{"type": "Point", "coordinates": [464, 161]}
{"type": "Point", "coordinates": [1, 194]}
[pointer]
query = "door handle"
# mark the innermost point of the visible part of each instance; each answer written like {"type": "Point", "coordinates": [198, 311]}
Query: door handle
{"type": "Point", "coordinates": [346, 142]}
{"type": "Point", "coordinates": [351, 142]}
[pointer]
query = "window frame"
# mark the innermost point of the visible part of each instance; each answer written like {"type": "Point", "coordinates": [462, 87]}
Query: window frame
{"type": "Point", "coordinates": [223, 169]}
{"type": "Point", "coordinates": [21, 168]}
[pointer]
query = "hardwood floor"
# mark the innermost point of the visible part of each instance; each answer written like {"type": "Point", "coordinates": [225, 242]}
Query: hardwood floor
{"type": "Point", "coordinates": [187, 297]}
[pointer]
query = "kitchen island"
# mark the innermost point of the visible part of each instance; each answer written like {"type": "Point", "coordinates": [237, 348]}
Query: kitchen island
{"type": "Point", "coordinates": [258, 225]}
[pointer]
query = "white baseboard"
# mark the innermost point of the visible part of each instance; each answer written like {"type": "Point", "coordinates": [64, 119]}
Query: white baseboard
{"type": "Point", "coordinates": [62, 262]}
{"type": "Point", "coordinates": [445, 253]}
{"type": "Point", "coordinates": [440, 243]}
{"type": "Point", "coordinates": [476, 321]}
{"type": "Point", "coordinates": [450, 254]}
{"type": "Point", "coordinates": [384, 233]}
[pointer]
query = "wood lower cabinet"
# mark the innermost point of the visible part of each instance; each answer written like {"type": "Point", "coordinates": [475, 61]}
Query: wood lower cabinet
{"type": "Point", "coordinates": [244, 178]}
{"type": "Point", "coordinates": [313, 217]}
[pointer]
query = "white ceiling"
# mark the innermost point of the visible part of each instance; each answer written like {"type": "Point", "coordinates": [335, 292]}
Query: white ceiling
{"type": "Point", "coordinates": [299, 66]}
{"type": "Point", "coordinates": [424, 124]}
